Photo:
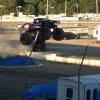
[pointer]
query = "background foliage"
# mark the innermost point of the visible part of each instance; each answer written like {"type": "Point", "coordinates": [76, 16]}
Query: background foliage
{"type": "Point", "coordinates": [55, 6]}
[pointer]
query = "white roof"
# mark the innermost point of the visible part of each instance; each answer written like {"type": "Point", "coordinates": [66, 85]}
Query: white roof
{"type": "Point", "coordinates": [84, 79]}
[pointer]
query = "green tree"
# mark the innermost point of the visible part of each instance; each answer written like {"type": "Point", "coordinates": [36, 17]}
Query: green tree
{"type": "Point", "coordinates": [87, 6]}
{"type": "Point", "coordinates": [39, 6]}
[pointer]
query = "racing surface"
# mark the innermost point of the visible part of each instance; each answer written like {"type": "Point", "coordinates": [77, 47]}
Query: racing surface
{"type": "Point", "coordinates": [15, 80]}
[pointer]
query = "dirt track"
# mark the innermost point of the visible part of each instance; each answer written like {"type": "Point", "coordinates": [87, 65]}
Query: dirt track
{"type": "Point", "coordinates": [13, 81]}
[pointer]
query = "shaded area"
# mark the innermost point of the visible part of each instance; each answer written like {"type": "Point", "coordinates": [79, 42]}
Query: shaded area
{"type": "Point", "coordinates": [66, 49]}
{"type": "Point", "coordinates": [21, 79]}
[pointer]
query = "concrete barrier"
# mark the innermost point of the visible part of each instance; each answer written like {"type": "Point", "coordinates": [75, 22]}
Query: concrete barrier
{"type": "Point", "coordinates": [72, 60]}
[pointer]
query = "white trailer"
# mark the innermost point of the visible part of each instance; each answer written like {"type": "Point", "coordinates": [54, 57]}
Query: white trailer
{"type": "Point", "coordinates": [68, 88]}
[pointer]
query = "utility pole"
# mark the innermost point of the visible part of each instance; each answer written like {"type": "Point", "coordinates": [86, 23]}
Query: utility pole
{"type": "Point", "coordinates": [96, 6]}
{"type": "Point", "coordinates": [47, 9]}
{"type": "Point", "coordinates": [65, 7]}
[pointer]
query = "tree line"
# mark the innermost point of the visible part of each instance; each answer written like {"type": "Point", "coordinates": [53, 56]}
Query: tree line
{"type": "Point", "coordinates": [55, 6]}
